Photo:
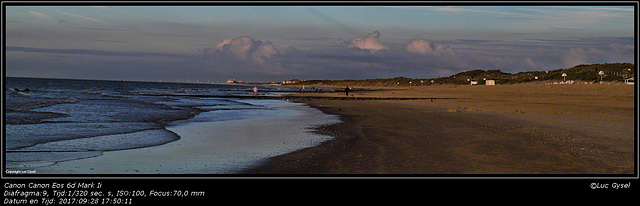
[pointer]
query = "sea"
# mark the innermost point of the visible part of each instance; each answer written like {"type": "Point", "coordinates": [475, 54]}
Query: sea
{"type": "Point", "coordinates": [48, 121]}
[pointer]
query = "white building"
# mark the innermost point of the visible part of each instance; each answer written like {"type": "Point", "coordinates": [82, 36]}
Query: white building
{"type": "Point", "coordinates": [630, 80]}
{"type": "Point", "coordinates": [234, 81]}
{"type": "Point", "coordinates": [490, 82]}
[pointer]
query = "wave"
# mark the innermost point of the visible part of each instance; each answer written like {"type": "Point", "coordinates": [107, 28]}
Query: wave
{"type": "Point", "coordinates": [49, 153]}
{"type": "Point", "coordinates": [27, 160]}
{"type": "Point", "coordinates": [112, 142]}
{"type": "Point", "coordinates": [26, 103]}
{"type": "Point", "coordinates": [20, 109]}
{"type": "Point", "coordinates": [30, 117]}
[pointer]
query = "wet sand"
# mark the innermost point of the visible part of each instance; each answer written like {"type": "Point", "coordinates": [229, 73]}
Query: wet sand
{"type": "Point", "coordinates": [503, 129]}
{"type": "Point", "coordinates": [222, 147]}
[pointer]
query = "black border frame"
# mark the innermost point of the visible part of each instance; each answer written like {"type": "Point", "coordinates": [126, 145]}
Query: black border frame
{"type": "Point", "coordinates": [369, 182]}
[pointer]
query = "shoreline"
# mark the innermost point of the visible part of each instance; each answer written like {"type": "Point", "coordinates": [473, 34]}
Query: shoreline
{"type": "Point", "coordinates": [537, 132]}
{"type": "Point", "coordinates": [237, 144]}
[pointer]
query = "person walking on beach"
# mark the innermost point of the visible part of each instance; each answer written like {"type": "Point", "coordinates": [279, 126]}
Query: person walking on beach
{"type": "Point", "coordinates": [255, 90]}
{"type": "Point", "coordinates": [346, 90]}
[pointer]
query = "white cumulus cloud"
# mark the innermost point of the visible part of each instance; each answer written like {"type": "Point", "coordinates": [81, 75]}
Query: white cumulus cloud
{"type": "Point", "coordinates": [244, 48]}
{"type": "Point", "coordinates": [421, 46]}
{"type": "Point", "coordinates": [370, 42]}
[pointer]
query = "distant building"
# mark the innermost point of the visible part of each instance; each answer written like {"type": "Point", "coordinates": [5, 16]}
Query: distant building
{"type": "Point", "coordinates": [474, 82]}
{"type": "Point", "coordinates": [234, 81]}
{"type": "Point", "coordinates": [630, 80]}
{"type": "Point", "coordinates": [490, 82]}
{"type": "Point", "coordinates": [293, 81]}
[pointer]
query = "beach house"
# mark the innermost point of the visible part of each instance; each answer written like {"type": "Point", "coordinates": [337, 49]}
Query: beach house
{"type": "Point", "coordinates": [630, 80]}
{"type": "Point", "coordinates": [234, 81]}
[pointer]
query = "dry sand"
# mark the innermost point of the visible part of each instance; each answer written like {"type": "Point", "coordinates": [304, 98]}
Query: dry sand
{"type": "Point", "coordinates": [502, 129]}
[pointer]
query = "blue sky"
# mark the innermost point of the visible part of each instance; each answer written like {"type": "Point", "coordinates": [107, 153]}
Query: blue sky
{"type": "Point", "coordinates": [273, 43]}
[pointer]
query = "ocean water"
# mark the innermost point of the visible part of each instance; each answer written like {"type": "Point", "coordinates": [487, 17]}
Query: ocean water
{"type": "Point", "coordinates": [60, 120]}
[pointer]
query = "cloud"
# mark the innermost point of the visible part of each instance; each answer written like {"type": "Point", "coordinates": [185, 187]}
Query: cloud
{"type": "Point", "coordinates": [40, 15]}
{"type": "Point", "coordinates": [370, 42]}
{"type": "Point", "coordinates": [246, 58]}
{"type": "Point", "coordinates": [576, 56]}
{"type": "Point", "coordinates": [528, 62]}
{"type": "Point", "coordinates": [91, 52]}
{"type": "Point", "coordinates": [79, 16]}
{"type": "Point", "coordinates": [421, 46]}
{"type": "Point", "coordinates": [454, 9]}
{"type": "Point", "coordinates": [243, 48]}
{"type": "Point", "coordinates": [626, 49]}
{"type": "Point", "coordinates": [565, 28]}
{"type": "Point", "coordinates": [599, 8]}
{"type": "Point", "coordinates": [238, 47]}
{"type": "Point", "coordinates": [264, 50]}
{"type": "Point", "coordinates": [463, 10]}
{"type": "Point", "coordinates": [579, 17]}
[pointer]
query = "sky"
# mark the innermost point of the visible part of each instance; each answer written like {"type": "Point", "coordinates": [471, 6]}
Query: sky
{"type": "Point", "coordinates": [274, 43]}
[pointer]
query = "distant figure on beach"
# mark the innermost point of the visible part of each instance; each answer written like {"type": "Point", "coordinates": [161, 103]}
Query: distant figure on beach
{"type": "Point", "coordinates": [346, 91]}
{"type": "Point", "coordinates": [255, 90]}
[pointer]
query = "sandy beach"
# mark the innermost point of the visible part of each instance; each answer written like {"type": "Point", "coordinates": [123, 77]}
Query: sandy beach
{"type": "Point", "coordinates": [502, 129]}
